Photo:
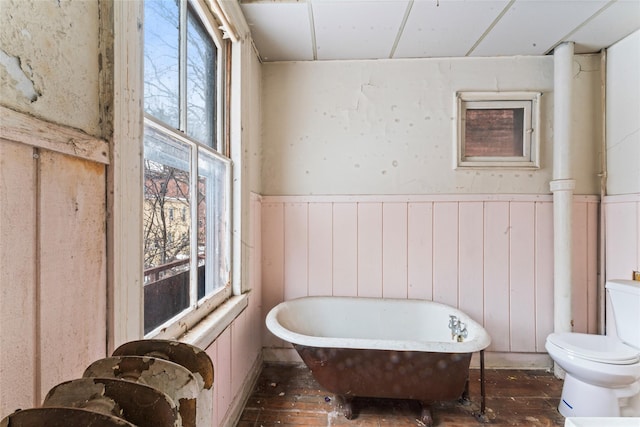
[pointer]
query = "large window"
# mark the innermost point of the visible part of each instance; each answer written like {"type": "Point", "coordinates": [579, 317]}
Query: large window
{"type": "Point", "coordinates": [186, 176]}
{"type": "Point", "coordinates": [497, 129]}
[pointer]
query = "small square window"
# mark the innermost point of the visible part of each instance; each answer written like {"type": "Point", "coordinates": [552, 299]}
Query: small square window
{"type": "Point", "coordinates": [497, 130]}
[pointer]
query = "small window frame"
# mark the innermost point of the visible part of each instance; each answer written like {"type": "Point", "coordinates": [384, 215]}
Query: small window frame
{"type": "Point", "coordinates": [530, 101]}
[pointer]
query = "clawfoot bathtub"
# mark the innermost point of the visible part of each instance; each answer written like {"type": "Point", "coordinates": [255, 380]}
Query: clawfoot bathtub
{"type": "Point", "coordinates": [381, 347]}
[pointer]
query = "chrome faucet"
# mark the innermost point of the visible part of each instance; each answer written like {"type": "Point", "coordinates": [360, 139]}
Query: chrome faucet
{"type": "Point", "coordinates": [458, 328]}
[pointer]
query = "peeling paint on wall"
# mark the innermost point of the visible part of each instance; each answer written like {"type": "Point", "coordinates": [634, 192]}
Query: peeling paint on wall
{"type": "Point", "coordinates": [387, 127]}
{"type": "Point", "coordinates": [49, 61]}
{"type": "Point", "coordinates": [13, 74]}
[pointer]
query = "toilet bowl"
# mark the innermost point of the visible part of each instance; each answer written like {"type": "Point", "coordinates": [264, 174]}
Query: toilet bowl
{"type": "Point", "coordinates": [603, 372]}
{"type": "Point", "coordinates": [602, 376]}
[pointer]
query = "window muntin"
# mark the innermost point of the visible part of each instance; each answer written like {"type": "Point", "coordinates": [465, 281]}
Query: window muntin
{"type": "Point", "coordinates": [180, 135]}
{"type": "Point", "coordinates": [497, 130]}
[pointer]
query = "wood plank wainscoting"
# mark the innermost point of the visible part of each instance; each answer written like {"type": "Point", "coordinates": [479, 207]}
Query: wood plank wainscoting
{"type": "Point", "coordinates": [489, 255]}
{"type": "Point", "coordinates": [52, 255]}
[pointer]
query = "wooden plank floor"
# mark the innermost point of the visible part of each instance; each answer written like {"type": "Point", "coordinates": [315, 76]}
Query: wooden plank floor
{"type": "Point", "coordinates": [287, 395]}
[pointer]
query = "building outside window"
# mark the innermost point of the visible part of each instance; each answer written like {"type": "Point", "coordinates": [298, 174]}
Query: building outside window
{"type": "Point", "coordinates": [186, 255]}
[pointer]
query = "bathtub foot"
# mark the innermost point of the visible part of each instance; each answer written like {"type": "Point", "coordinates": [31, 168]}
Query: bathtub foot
{"type": "Point", "coordinates": [465, 400]}
{"type": "Point", "coordinates": [425, 415]}
{"type": "Point", "coordinates": [481, 417]}
{"type": "Point", "coordinates": [347, 406]}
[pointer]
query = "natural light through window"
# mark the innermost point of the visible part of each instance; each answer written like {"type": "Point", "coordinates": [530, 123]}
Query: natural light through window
{"type": "Point", "coordinates": [187, 181]}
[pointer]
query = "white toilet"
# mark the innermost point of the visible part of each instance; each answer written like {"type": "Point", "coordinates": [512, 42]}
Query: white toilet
{"type": "Point", "coordinates": [603, 372]}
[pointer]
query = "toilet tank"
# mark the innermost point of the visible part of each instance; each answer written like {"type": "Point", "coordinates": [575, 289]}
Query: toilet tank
{"type": "Point", "coordinates": [625, 304]}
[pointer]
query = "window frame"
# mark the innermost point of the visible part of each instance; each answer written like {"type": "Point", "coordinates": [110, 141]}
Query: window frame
{"type": "Point", "coordinates": [200, 308]}
{"type": "Point", "coordinates": [530, 101]}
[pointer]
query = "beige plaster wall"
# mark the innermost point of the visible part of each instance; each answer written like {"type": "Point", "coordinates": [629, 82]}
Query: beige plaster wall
{"type": "Point", "coordinates": [49, 60]}
{"type": "Point", "coordinates": [623, 116]}
{"type": "Point", "coordinates": [386, 127]}
{"type": "Point", "coordinates": [622, 204]}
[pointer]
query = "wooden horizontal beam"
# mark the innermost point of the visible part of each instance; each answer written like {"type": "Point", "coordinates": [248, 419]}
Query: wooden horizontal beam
{"type": "Point", "coordinates": [29, 130]}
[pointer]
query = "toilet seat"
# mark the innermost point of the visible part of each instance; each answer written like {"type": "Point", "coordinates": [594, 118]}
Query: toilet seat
{"type": "Point", "coordinates": [596, 348]}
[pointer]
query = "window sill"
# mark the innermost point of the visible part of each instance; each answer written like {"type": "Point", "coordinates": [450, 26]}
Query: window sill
{"type": "Point", "coordinates": [479, 164]}
{"type": "Point", "coordinates": [205, 332]}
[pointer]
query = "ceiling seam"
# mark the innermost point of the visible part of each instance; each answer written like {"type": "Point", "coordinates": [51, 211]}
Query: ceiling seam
{"type": "Point", "coordinates": [401, 29]}
{"type": "Point", "coordinates": [581, 25]}
{"type": "Point", "coordinates": [312, 28]}
{"type": "Point", "coordinates": [488, 30]}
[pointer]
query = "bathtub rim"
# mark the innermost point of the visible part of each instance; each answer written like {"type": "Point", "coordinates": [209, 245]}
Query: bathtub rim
{"type": "Point", "coordinates": [481, 341]}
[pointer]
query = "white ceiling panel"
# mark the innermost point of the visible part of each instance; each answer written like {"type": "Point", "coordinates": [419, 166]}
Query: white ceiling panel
{"type": "Point", "coordinates": [446, 28]}
{"type": "Point", "coordinates": [304, 30]}
{"type": "Point", "coordinates": [533, 27]}
{"type": "Point", "coordinates": [280, 31]}
{"type": "Point", "coordinates": [611, 25]}
{"type": "Point", "coordinates": [357, 29]}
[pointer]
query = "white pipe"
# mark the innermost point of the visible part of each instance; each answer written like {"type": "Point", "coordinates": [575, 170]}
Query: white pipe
{"type": "Point", "coordinates": [562, 84]}
{"type": "Point", "coordinates": [603, 192]}
{"type": "Point", "coordinates": [562, 187]}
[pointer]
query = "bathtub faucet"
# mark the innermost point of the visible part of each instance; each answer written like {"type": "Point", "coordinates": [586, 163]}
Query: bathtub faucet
{"type": "Point", "coordinates": [458, 328]}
